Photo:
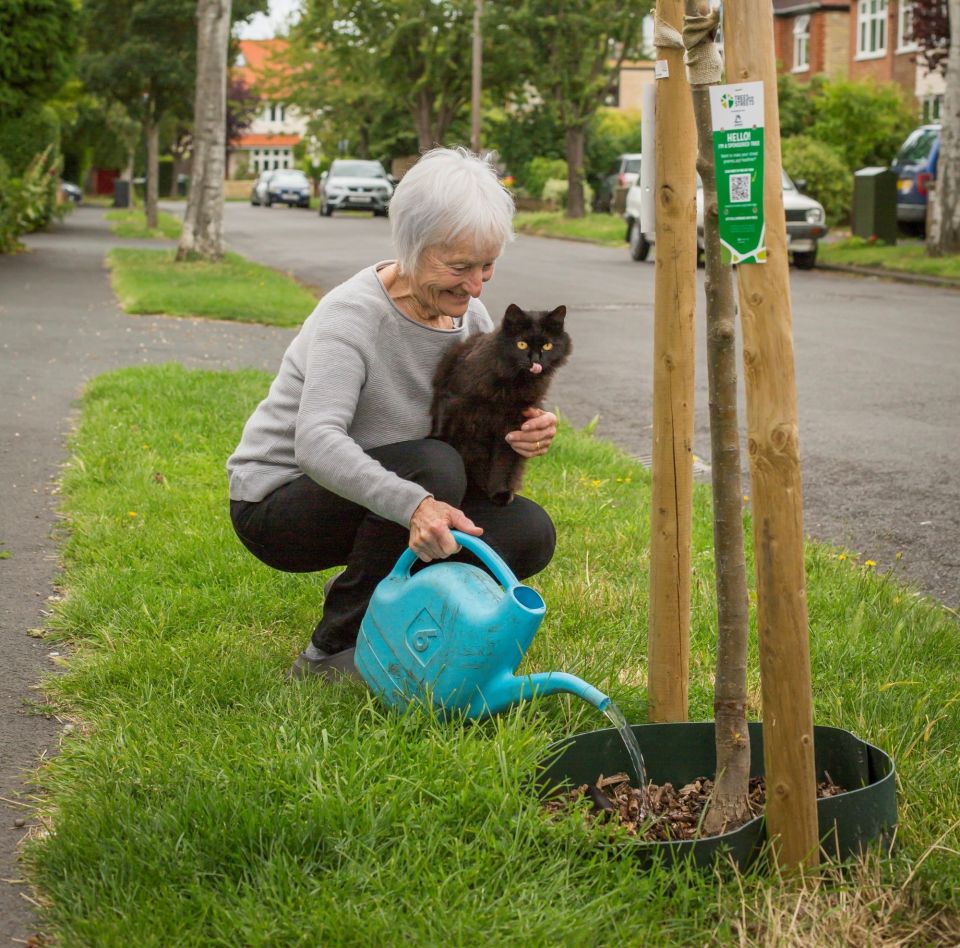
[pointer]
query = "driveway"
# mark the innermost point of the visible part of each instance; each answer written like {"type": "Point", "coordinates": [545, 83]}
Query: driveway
{"type": "Point", "coordinates": [878, 386]}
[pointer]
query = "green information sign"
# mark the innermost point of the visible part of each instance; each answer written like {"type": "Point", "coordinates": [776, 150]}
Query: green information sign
{"type": "Point", "coordinates": [737, 114]}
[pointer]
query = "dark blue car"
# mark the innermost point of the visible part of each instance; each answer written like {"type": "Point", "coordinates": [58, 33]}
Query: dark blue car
{"type": "Point", "coordinates": [915, 167]}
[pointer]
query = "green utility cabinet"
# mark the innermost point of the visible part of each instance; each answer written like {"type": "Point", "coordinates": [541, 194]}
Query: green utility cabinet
{"type": "Point", "coordinates": [875, 204]}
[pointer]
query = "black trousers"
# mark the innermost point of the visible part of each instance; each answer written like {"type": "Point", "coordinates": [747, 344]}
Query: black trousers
{"type": "Point", "coordinates": [302, 527]}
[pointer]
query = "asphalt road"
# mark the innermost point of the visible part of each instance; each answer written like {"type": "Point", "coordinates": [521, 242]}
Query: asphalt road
{"type": "Point", "coordinates": [877, 375]}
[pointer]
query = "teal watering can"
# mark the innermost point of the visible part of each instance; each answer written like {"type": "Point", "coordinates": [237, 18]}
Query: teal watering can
{"type": "Point", "coordinates": [453, 636]}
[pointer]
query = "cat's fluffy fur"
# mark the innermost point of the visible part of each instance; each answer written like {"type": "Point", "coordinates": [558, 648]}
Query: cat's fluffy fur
{"type": "Point", "coordinates": [482, 386]}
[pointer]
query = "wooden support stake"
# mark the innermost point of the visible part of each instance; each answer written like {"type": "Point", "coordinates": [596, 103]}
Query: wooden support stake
{"type": "Point", "coordinates": [674, 302]}
{"type": "Point", "coordinates": [773, 443]}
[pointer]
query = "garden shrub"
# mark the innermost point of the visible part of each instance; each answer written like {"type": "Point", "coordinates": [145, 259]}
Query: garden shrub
{"type": "Point", "coordinates": [610, 134]}
{"type": "Point", "coordinates": [521, 136]}
{"type": "Point", "coordinates": [10, 202]}
{"type": "Point", "coordinates": [23, 137]}
{"type": "Point", "coordinates": [555, 192]}
{"type": "Point", "coordinates": [865, 122]}
{"type": "Point", "coordinates": [828, 178]}
{"type": "Point", "coordinates": [539, 171]}
{"type": "Point", "coordinates": [28, 203]}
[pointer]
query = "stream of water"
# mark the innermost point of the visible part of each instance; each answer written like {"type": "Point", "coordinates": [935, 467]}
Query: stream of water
{"type": "Point", "coordinates": [617, 719]}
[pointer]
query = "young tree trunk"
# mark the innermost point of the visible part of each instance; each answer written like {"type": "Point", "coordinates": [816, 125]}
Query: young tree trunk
{"type": "Point", "coordinates": [423, 122]}
{"type": "Point", "coordinates": [943, 236]}
{"type": "Point", "coordinates": [789, 759]}
{"type": "Point", "coordinates": [202, 233]}
{"type": "Point", "coordinates": [730, 802]}
{"type": "Point", "coordinates": [153, 168]}
{"type": "Point", "coordinates": [674, 301]}
{"type": "Point", "coordinates": [575, 153]}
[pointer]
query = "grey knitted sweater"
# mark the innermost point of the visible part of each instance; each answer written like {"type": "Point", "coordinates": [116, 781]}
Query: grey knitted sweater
{"type": "Point", "coordinates": [357, 376]}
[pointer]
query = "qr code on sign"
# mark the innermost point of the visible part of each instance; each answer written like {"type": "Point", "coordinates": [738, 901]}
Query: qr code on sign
{"type": "Point", "coordinates": [739, 188]}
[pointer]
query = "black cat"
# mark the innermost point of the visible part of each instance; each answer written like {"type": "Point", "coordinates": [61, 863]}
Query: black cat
{"type": "Point", "coordinates": [482, 386]}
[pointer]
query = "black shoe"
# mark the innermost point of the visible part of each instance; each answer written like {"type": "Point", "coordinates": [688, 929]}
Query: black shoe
{"type": "Point", "coordinates": [331, 667]}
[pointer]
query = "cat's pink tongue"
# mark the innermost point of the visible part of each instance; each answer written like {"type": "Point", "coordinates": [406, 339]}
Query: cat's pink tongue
{"type": "Point", "coordinates": [536, 368]}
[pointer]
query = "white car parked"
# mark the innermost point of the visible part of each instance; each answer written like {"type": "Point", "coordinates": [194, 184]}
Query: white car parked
{"type": "Point", "coordinates": [806, 224]}
{"type": "Point", "coordinates": [354, 184]}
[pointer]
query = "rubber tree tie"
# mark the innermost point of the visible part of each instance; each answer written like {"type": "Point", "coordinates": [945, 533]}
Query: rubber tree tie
{"type": "Point", "coordinates": [702, 57]}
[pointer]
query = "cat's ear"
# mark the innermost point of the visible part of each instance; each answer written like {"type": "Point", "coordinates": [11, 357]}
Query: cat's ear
{"type": "Point", "coordinates": [555, 316]}
{"type": "Point", "coordinates": [513, 315]}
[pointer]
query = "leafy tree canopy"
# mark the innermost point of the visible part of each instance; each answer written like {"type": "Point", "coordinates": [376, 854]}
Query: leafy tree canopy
{"type": "Point", "coordinates": [146, 50]}
{"type": "Point", "coordinates": [574, 49]}
{"type": "Point", "coordinates": [931, 32]}
{"type": "Point", "coordinates": [38, 42]}
{"type": "Point", "coordinates": [406, 57]}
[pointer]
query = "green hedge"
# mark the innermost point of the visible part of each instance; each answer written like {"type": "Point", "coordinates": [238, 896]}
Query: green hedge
{"type": "Point", "coordinates": [23, 137]}
{"type": "Point", "coordinates": [827, 176]}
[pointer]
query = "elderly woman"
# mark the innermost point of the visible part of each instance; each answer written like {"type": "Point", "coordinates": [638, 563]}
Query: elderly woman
{"type": "Point", "coordinates": [335, 466]}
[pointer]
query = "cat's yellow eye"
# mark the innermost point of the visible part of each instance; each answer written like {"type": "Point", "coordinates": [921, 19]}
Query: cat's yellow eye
{"type": "Point", "coordinates": [547, 346]}
{"type": "Point", "coordinates": [521, 344]}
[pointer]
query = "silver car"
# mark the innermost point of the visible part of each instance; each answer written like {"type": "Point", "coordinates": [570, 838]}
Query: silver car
{"type": "Point", "coordinates": [352, 184]}
{"type": "Point", "coordinates": [805, 219]}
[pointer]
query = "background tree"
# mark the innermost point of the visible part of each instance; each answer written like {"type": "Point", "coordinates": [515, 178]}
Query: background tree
{"type": "Point", "coordinates": [142, 54]}
{"type": "Point", "coordinates": [202, 233]}
{"type": "Point", "coordinates": [243, 105]}
{"type": "Point", "coordinates": [379, 59]}
{"type": "Point", "coordinates": [931, 32]}
{"type": "Point", "coordinates": [574, 52]}
{"type": "Point", "coordinates": [944, 231]}
{"type": "Point", "coordinates": [38, 42]}
{"type": "Point", "coordinates": [38, 45]}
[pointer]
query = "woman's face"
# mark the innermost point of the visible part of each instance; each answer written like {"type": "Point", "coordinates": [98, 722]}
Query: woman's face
{"type": "Point", "coordinates": [448, 276]}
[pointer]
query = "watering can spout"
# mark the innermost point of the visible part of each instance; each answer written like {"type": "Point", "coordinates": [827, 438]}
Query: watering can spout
{"type": "Point", "coordinates": [543, 684]}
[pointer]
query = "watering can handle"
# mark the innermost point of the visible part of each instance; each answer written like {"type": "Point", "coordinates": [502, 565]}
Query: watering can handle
{"type": "Point", "coordinates": [481, 550]}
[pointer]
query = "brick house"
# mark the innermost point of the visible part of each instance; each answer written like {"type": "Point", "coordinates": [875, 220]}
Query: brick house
{"type": "Point", "coordinates": [859, 39]}
{"type": "Point", "coordinates": [269, 141]}
{"type": "Point", "coordinates": [812, 37]}
{"type": "Point", "coordinates": [882, 48]}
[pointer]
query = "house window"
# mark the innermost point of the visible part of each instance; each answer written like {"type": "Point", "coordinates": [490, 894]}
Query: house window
{"type": "Point", "coordinates": [276, 112]}
{"type": "Point", "coordinates": [871, 28]}
{"type": "Point", "coordinates": [932, 107]}
{"type": "Point", "coordinates": [801, 43]}
{"type": "Point", "coordinates": [905, 40]}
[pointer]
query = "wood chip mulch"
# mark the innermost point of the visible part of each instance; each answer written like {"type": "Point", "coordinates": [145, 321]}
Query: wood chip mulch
{"type": "Point", "coordinates": [665, 813]}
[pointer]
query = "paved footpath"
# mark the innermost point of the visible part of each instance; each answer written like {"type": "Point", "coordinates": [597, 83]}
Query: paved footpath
{"type": "Point", "coordinates": [60, 326]}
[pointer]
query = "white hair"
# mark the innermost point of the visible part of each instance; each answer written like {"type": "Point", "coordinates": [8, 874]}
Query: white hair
{"type": "Point", "coordinates": [448, 195]}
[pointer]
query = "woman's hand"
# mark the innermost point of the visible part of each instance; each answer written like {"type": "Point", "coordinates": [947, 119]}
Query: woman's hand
{"type": "Point", "coordinates": [430, 526]}
{"type": "Point", "coordinates": [535, 434]}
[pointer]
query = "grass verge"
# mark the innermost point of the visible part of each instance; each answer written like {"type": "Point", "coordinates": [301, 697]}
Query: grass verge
{"type": "Point", "coordinates": [607, 229]}
{"type": "Point", "coordinates": [906, 256]}
{"type": "Point", "coordinates": [201, 800]}
{"type": "Point", "coordinates": [134, 224]}
{"type": "Point", "coordinates": [150, 281]}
